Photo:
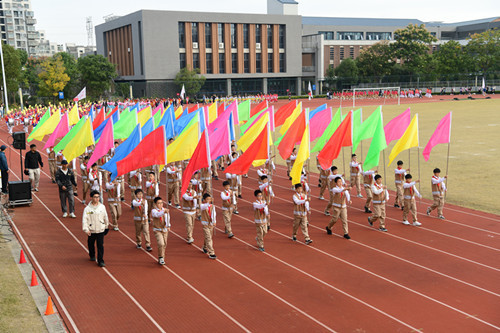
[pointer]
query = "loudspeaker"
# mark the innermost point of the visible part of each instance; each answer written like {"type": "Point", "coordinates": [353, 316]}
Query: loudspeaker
{"type": "Point", "coordinates": [20, 193]}
{"type": "Point", "coordinates": [19, 140]}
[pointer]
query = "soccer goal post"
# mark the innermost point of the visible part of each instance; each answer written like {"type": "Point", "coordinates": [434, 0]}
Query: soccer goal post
{"type": "Point", "coordinates": [386, 92]}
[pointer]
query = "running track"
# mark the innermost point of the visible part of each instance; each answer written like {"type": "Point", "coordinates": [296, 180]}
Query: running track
{"type": "Point", "coordinates": [441, 277]}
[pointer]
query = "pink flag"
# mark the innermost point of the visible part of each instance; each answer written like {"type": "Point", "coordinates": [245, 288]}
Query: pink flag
{"type": "Point", "coordinates": [104, 145]}
{"type": "Point", "coordinates": [234, 109]}
{"type": "Point", "coordinates": [61, 130]}
{"type": "Point", "coordinates": [395, 129]}
{"type": "Point", "coordinates": [319, 123]}
{"type": "Point", "coordinates": [221, 121]}
{"type": "Point", "coordinates": [220, 142]}
{"type": "Point", "coordinates": [442, 134]}
{"type": "Point", "coordinates": [158, 108]}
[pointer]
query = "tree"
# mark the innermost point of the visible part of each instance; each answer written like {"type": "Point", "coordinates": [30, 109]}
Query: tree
{"type": "Point", "coordinates": [97, 74]}
{"type": "Point", "coordinates": [73, 86]}
{"type": "Point", "coordinates": [12, 69]}
{"type": "Point", "coordinates": [191, 79]}
{"type": "Point", "coordinates": [347, 73]}
{"type": "Point", "coordinates": [375, 61]}
{"type": "Point", "coordinates": [485, 50]}
{"type": "Point", "coordinates": [29, 79]}
{"type": "Point", "coordinates": [412, 46]}
{"type": "Point", "coordinates": [451, 59]}
{"type": "Point", "coordinates": [330, 78]}
{"type": "Point", "coordinates": [23, 56]}
{"type": "Point", "coordinates": [52, 77]}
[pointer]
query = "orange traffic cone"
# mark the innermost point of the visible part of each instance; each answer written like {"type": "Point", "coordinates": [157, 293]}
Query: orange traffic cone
{"type": "Point", "coordinates": [34, 281]}
{"type": "Point", "coordinates": [49, 310]}
{"type": "Point", "coordinates": [22, 259]}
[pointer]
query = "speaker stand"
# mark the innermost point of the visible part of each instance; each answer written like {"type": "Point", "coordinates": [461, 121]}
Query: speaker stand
{"type": "Point", "coordinates": [21, 159]}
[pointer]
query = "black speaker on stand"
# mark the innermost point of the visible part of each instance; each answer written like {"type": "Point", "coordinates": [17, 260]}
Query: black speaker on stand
{"type": "Point", "coordinates": [20, 191]}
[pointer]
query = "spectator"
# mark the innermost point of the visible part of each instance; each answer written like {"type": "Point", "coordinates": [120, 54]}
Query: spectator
{"type": "Point", "coordinates": [4, 168]}
{"type": "Point", "coordinates": [95, 224]}
{"type": "Point", "coordinates": [65, 179]}
{"type": "Point", "coordinates": [33, 163]}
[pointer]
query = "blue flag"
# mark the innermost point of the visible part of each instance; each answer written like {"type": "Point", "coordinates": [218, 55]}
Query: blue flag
{"type": "Point", "coordinates": [318, 109]}
{"type": "Point", "coordinates": [183, 121]}
{"type": "Point", "coordinates": [123, 150]}
{"type": "Point", "coordinates": [168, 121]}
{"type": "Point", "coordinates": [148, 127]}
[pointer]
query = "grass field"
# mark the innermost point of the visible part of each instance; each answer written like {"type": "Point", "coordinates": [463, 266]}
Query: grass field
{"type": "Point", "coordinates": [474, 150]}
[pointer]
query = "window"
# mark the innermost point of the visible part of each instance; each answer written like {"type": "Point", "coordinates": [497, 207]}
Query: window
{"type": "Point", "coordinates": [222, 63]}
{"type": "Point", "coordinates": [220, 32]}
{"type": "Point", "coordinates": [332, 53]}
{"type": "Point", "coordinates": [182, 35]}
{"type": "Point", "coordinates": [282, 63]}
{"type": "Point", "coordinates": [194, 32]}
{"type": "Point", "coordinates": [196, 60]}
{"type": "Point", "coordinates": [234, 63]}
{"type": "Point", "coordinates": [378, 36]}
{"type": "Point", "coordinates": [182, 60]}
{"type": "Point", "coordinates": [282, 36]}
{"type": "Point", "coordinates": [269, 36]}
{"type": "Point", "coordinates": [341, 52]}
{"type": "Point", "coordinates": [350, 35]}
{"type": "Point", "coordinates": [246, 38]}
{"type": "Point", "coordinates": [270, 67]}
{"type": "Point", "coordinates": [351, 52]}
{"type": "Point", "coordinates": [209, 63]}
{"type": "Point", "coordinates": [258, 33]}
{"type": "Point", "coordinates": [258, 62]}
{"type": "Point", "coordinates": [233, 35]}
{"type": "Point", "coordinates": [208, 35]}
{"type": "Point", "coordinates": [327, 35]}
{"type": "Point", "coordinates": [246, 63]}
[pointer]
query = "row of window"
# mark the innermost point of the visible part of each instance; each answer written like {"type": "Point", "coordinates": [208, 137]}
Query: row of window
{"type": "Point", "coordinates": [342, 53]}
{"type": "Point", "coordinates": [233, 39]}
{"type": "Point", "coordinates": [347, 35]}
{"type": "Point", "coordinates": [234, 62]}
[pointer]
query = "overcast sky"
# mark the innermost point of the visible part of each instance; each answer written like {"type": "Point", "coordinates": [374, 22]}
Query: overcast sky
{"type": "Point", "coordinates": [64, 21]}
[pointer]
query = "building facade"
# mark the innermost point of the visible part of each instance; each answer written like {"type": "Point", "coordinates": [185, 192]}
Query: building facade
{"type": "Point", "coordinates": [17, 25]}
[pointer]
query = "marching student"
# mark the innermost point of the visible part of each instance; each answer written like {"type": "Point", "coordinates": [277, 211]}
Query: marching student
{"type": "Point", "coordinates": [267, 194]}
{"type": "Point", "coordinates": [161, 226]}
{"type": "Point", "coordinates": [399, 176]}
{"type": "Point", "coordinates": [261, 215]}
{"type": "Point", "coordinates": [152, 191]}
{"type": "Point", "coordinates": [213, 168]}
{"type": "Point", "coordinates": [290, 161]}
{"type": "Point", "coordinates": [305, 186]}
{"type": "Point", "coordinates": [380, 197]}
{"type": "Point", "coordinates": [323, 180]}
{"type": "Point", "coordinates": [234, 156]}
{"type": "Point", "coordinates": [198, 187]}
{"type": "Point", "coordinates": [173, 185]}
{"type": "Point", "coordinates": [356, 171]}
{"type": "Point", "coordinates": [140, 206]}
{"type": "Point", "coordinates": [134, 182]}
{"type": "Point", "coordinates": [300, 211]}
{"type": "Point", "coordinates": [85, 178]}
{"type": "Point", "coordinates": [208, 222]}
{"type": "Point", "coordinates": [331, 184]}
{"type": "Point", "coordinates": [114, 202]}
{"type": "Point", "coordinates": [189, 203]}
{"type": "Point", "coordinates": [52, 164]}
{"type": "Point", "coordinates": [438, 188]}
{"type": "Point", "coordinates": [95, 180]}
{"type": "Point", "coordinates": [206, 180]}
{"type": "Point", "coordinates": [409, 192]}
{"type": "Point", "coordinates": [262, 171]}
{"type": "Point", "coordinates": [341, 197]}
{"type": "Point", "coordinates": [228, 203]}
{"type": "Point", "coordinates": [367, 184]}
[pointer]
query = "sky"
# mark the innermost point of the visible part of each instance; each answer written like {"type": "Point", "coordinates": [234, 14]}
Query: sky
{"type": "Point", "coordinates": [64, 21]}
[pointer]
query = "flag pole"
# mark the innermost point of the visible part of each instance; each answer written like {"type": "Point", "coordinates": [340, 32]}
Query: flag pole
{"type": "Point", "coordinates": [385, 179]}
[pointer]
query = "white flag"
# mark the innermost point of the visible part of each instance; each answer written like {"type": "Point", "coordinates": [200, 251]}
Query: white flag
{"type": "Point", "coordinates": [310, 90]}
{"type": "Point", "coordinates": [81, 95]}
{"type": "Point", "coordinates": [183, 92]}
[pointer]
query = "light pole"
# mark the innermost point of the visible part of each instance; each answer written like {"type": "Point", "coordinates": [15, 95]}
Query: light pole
{"type": "Point", "coordinates": [4, 81]}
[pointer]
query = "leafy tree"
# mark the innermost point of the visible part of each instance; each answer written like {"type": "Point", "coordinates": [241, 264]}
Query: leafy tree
{"type": "Point", "coordinates": [451, 59]}
{"type": "Point", "coordinates": [23, 56]}
{"type": "Point", "coordinates": [347, 72]}
{"type": "Point", "coordinates": [12, 69]}
{"type": "Point", "coordinates": [485, 50]}
{"type": "Point", "coordinates": [412, 46]}
{"type": "Point", "coordinates": [191, 79]}
{"type": "Point", "coordinates": [375, 61]}
{"type": "Point", "coordinates": [29, 79]}
{"type": "Point", "coordinates": [330, 76]}
{"type": "Point", "coordinates": [72, 88]}
{"type": "Point", "coordinates": [122, 89]}
{"type": "Point", "coordinates": [97, 74]}
{"type": "Point", "coordinates": [52, 76]}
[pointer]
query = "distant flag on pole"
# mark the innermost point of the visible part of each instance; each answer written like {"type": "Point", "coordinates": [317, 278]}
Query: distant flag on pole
{"type": "Point", "coordinates": [396, 127]}
{"type": "Point", "coordinates": [183, 92]}
{"type": "Point", "coordinates": [309, 89]}
{"type": "Point", "coordinates": [442, 134]}
{"type": "Point", "coordinates": [199, 160]}
{"type": "Point", "coordinates": [81, 95]}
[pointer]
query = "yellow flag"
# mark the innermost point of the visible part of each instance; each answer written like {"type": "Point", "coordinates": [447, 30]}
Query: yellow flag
{"type": "Point", "coordinates": [82, 139]}
{"type": "Point", "coordinates": [407, 141]}
{"type": "Point", "coordinates": [289, 121]}
{"type": "Point", "coordinates": [73, 115]}
{"type": "Point", "coordinates": [212, 112]}
{"type": "Point", "coordinates": [183, 147]}
{"type": "Point", "coordinates": [178, 112]}
{"type": "Point", "coordinates": [302, 156]}
{"type": "Point", "coordinates": [47, 128]}
{"type": "Point", "coordinates": [144, 115]}
{"type": "Point", "coordinates": [253, 132]}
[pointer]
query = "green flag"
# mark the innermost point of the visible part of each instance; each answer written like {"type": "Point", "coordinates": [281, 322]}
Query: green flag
{"type": "Point", "coordinates": [156, 118]}
{"type": "Point", "coordinates": [376, 146]}
{"type": "Point", "coordinates": [367, 128]}
{"type": "Point", "coordinates": [124, 127]}
{"type": "Point", "coordinates": [327, 134]}
{"type": "Point", "coordinates": [71, 134]}
{"type": "Point", "coordinates": [244, 111]}
{"type": "Point", "coordinates": [40, 123]}
{"type": "Point", "coordinates": [244, 127]}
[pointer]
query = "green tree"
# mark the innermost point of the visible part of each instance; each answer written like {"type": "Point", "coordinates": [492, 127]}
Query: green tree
{"type": "Point", "coordinates": [12, 69]}
{"type": "Point", "coordinates": [411, 46]}
{"type": "Point", "coordinates": [347, 73]}
{"type": "Point", "coordinates": [451, 59]}
{"type": "Point", "coordinates": [375, 61]}
{"type": "Point", "coordinates": [23, 56]}
{"type": "Point", "coordinates": [96, 73]}
{"type": "Point", "coordinates": [485, 50]}
{"type": "Point", "coordinates": [52, 77]}
{"type": "Point", "coordinates": [29, 80]}
{"type": "Point", "coordinates": [72, 87]}
{"type": "Point", "coordinates": [330, 77]}
{"type": "Point", "coordinates": [191, 79]}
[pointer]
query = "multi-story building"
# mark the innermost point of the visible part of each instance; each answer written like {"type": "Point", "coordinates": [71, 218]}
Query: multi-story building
{"type": "Point", "coordinates": [17, 25]}
{"type": "Point", "coordinates": [78, 51]}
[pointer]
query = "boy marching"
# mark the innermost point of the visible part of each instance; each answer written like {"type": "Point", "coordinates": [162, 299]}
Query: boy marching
{"type": "Point", "coordinates": [161, 226]}
{"type": "Point", "coordinates": [300, 211]}
{"type": "Point", "coordinates": [380, 197]}
{"type": "Point", "coordinates": [208, 222]}
{"type": "Point", "coordinates": [140, 206]}
{"type": "Point", "coordinates": [409, 192]}
{"type": "Point", "coordinates": [438, 188]}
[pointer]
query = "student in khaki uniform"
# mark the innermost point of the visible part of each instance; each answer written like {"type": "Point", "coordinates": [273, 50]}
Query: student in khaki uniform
{"type": "Point", "coordinates": [173, 185]}
{"type": "Point", "coordinates": [324, 183]}
{"type": "Point", "coordinates": [399, 178]}
{"type": "Point", "coordinates": [233, 179]}
{"type": "Point", "coordinates": [114, 202]}
{"type": "Point", "coordinates": [206, 180]}
{"type": "Point", "coordinates": [300, 211]}
{"type": "Point", "coordinates": [152, 191]}
{"type": "Point", "coordinates": [140, 207]}
{"type": "Point", "coordinates": [331, 184]}
{"type": "Point", "coordinates": [261, 215]}
{"type": "Point", "coordinates": [267, 194]}
{"type": "Point", "coordinates": [341, 197]}
{"type": "Point", "coordinates": [189, 203]}
{"type": "Point", "coordinates": [438, 188]}
{"type": "Point", "coordinates": [161, 226]}
{"type": "Point", "coordinates": [290, 161]}
{"type": "Point", "coordinates": [208, 222]}
{"type": "Point", "coordinates": [356, 171]}
{"type": "Point", "coordinates": [380, 197]}
{"type": "Point", "coordinates": [367, 184]}
{"type": "Point", "coordinates": [213, 168]}
{"type": "Point", "coordinates": [134, 182]}
{"type": "Point", "coordinates": [198, 187]}
{"type": "Point", "coordinates": [85, 178]}
{"type": "Point", "coordinates": [228, 198]}
{"type": "Point", "coordinates": [52, 164]}
{"type": "Point", "coordinates": [409, 192]}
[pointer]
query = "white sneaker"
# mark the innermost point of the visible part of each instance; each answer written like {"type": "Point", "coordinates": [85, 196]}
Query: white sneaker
{"type": "Point", "coordinates": [416, 223]}
{"type": "Point", "coordinates": [72, 215]}
{"type": "Point", "coordinates": [441, 217]}
{"type": "Point", "coordinates": [190, 240]}
{"type": "Point", "coordinates": [65, 215]}
{"type": "Point", "coordinates": [406, 223]}
{"type": "Point", "coordinates": [161, 261]}
{"type": "Point", "coordinates": [83, 202]}
{"type": "Point", "coordinates": [321, 198]}
{"type": "Point", "coordinates": [116, 229]}
{"type": "Point", "coordinates": [359, 195]}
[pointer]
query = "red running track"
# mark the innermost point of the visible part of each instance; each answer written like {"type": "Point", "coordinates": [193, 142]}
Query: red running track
{"type": "Point", "coordinates": [441, 277]}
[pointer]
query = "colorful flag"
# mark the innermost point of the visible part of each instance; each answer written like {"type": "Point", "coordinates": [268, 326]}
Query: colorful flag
{"type": "Point", "coordinates": [252, 133]}
{"type": "Point", "coordinates": [61, 130]}
{"type": "Point", "coordinates": [292, 136]}
{"type": "Point", "coordinates": [168, 121]}
{"type": "Point", "coordinates": [81, 140]}
{"type": "Point", "coordinates": [212, 112]}
{"type": "Point", "coordinates": [327, 134]}
{"type": "Point", "coordinates": [158, 114]}
{"type": "Point", "coordinates": [47, 127]}
{"type": "Point", "coordinates": [42, 120]}
{"type": "Point", "coordinates": [123, 150]}
{"type": "Point", "coordinates": [377, 145]}
{"type": "Point", "coordinates": [148, 127]}
{"type": "Point", "coordinates": [244, 111]}
{"type": "Point", "coordinates": [183, 147]}
{"type": "Point", "coordinates": [407, 141]}
{"type": "Point", "coordinates": [71, 134]}
{"type": "Point", "coordinates": [106, 142]}
{"type": "Point", "coordinates": [220, 143]}
{"type": "Point", "coordinates": [178, 112]}
{"type": "Point", "coordinates": [261, 106]}
{"type": "Point", "coordinates": [99, 118]}
{"type": "Point", "coordinates": [442, 134]}
{"type": "Point", "coordinates": [284, 112]}
{"type": "Point", "coordinates": [302, 156]}
{"type": "Point", "coordinates": [290, 120]}
{"type": "Point", "coordinates": [319, 122]}
{"type": "Point", "coordinates": [123, 127]}
{"type": "Point", "coordinates": [81, 95]}
{"type": "Point", "coordinates": [396, 127]}
{"type": "Point", "coordinates": [367, 128]}
{"type": "Point", "coordinates": [257, 150]}
{"type": "Point", "coordinates": [251, 121]}
{"type": "Point", "coordinates": [341, 138]}
{"type": "Point", "coordinates": [144, 115]}
{"type": "Point", "coordinates": [317, 110]}
{"type": "Point", "coordinates": [181, 123]}
{"type": "Point", "coordinates": [201, 159]}
{"type": "Point", "coordinates": [73, 115]}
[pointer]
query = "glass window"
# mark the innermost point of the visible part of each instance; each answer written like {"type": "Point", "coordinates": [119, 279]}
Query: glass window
{"type": "Point", "coordinates": [282, 63]}
{"type": "Point", "coordinates": [182, 35]}
{"type": "Point", "coordinates": [246, 37]}
{"type": "Point", "coordinates": [327, 35]}
{"type": "Point", "coordinates": [234, 63]}
{"type": "Point", "coordinates": [350, 35]}
{"type": "Point", "coordinates": [332, 53]}
{"type": "Point", "coordinates": [233, 35]}
{"type": "Point", "coordinates": [208, 35]}
{"type": "Point", "coordinates": [220, 32]}
{"type": "Point", "coordinates": [270, 67]}
{"type": "Point", "coordinates": [351, 52]}
{"type": "Point", "coordinates": [269, 36]}
{"type": "Point", "coordinates": [258, 33]}
{"type": "Point", "coordinates": [246, 62]}
{"type": "Point", "coordinates": [341, 52]}
{"type": "Point", "coordinates": [182, 60]}
{"type": "Point", "coordinates": [222, 63]}
{"type": "Point", "coordinates": [194, 32]}
{"type": "Point", "coordinates": [258, 62]}
{"type": "Point", "coordinates": [196, 60]}
{"type": "Point", "coordinates": [378, 35]}
{"type": "Point", "coordinates": [282, 36]}
{"type": "Point", "coordinates": [209, 63]}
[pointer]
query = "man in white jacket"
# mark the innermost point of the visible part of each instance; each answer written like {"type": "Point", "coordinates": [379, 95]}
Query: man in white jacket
{"type": "Point", "coordinates": [95, 224]}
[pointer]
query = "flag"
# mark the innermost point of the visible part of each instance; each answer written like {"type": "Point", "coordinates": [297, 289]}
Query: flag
{"type": "Point", "coordinates": [74, 117]}
{"type": "Point", "coordinates": [244, 111]}
{"type": "Point", "coordinates": [442, 134]}
{"type": "Point", "coordinates": [61, 130]}
{"type": "Point", "coordinates": [309, 89]}
{"type": "Point", "coordinates": [181, 123]}
{"type": "Point", "coordinates": [302, 156]}
{"type": "Point", "coordinates": [82, 139]}
{"type": "Point", "coordinates": [106, 142]}
{"type": "Point", "coordinates": [366, 129]}
{"type": "Point", "coordinates": [81, 95]}
{"type": "Point", "coordinates": [47, 127]}
{"type": "Point", "coordinates": [284, 112]}
{"type": "Point", "coordinates": [257, 150]}
{"type": "Point", "coordinates": [71, 134]}
{"type": "Point", "coordinates": [341, 138]}
{"type": "Point", "coordinates": [123, 127]}
{"type": "Point", "coordinates": [99, 118]}
{"type": "Point", "coordinates": [167, 120]}
{"type": "Point", "coordinates": [376, 146]}
{"type": "Point", "coordinates": [201, 159]}
{"type": "Point", "coordinates": [42, 120]}
{"type": "Point", "coordinates": [183, 147]}
{"type": "Point", "coordinates": [289, 121]}
{"type": "Point", "coordinates": [220, 143]}
{"type": "Point", "coordinates": [178, 112]}
{"type": "Point", "coordinates": [292, 136]}
{"type": "Point", "coordinates": [157, 114]}
{"type": "Point", "coordinates": [261, 106]}
{"type": "Point", "coordinates": [152, 150]}
{"type": "Point", "coordinates": [319, 122]}
{"type": "Point", "coordinates": [123, 150]}
{"type": "Point", "coordinates": [183, 92]}
{"type": "Point", "coordinates": [252, 133]}
{"type": "Point", "coordinates": [148, 127]}
{"type": "Point", "coordinates": [251, 121]}
{"type": "Point", "coordinates": [407, 141]}
{"type": "Point", "coordinates": [234, 111]}
{"type": "Point", "coordinates": [212, 112]}
{"type": "Point", "coordinates": [396, 127]}
{"type": "Point", "coordinates": [144, 115]}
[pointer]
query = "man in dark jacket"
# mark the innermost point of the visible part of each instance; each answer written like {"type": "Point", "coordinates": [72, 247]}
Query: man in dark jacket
{"type": "Point", "coordinates": [4, 168]}
{"type": "Point", "coordinates": [33, 163]}
{"type": "Point", "coordinates": [65, 179]}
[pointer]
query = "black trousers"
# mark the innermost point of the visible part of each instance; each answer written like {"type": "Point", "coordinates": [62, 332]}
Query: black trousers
{"type": "Point", "coordinates": [5, 181]}
{"type": "Point", "coordinates": [99, 237]}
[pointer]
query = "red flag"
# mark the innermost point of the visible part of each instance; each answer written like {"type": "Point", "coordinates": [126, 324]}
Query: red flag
{"type": "Point", "coordinates": [98, 119]}
{"type": "Point", "coordinates": [220, 109]}
{"type": "Point", "coordinates": [151, 150]}
{"type": "Point", "coordinates": [199, 160]}
{"type": "Point", "coordinates": [341, 138]}
{"type": "Point", "coordinates": [258, 150]}
{"type": "Point", "coordinates": [261, 106]}
{"type": "Point", "coordinates": [112, 112]}
{"type": "Point", "coordinates": [292, 136]}
{"type": "Point", "coordinates": [284, 112]}
{"type": "Point", "coordinates": [194, 108]}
